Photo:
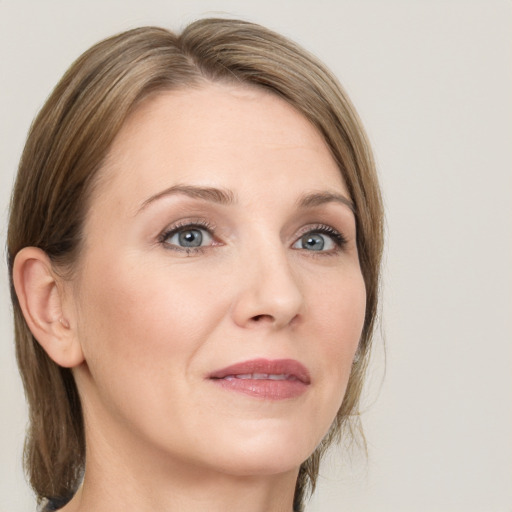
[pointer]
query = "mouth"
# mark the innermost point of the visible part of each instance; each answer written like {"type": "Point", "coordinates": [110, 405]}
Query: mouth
{"type": "Point", "coordinates": [277, 379]}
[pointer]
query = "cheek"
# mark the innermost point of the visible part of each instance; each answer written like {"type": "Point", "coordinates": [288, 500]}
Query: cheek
{"type": "Point", "coordinates": [137, 318]}
{"type": "Point", "coordinates": [341, 311]}
{"type": "Point", "coordinates": [339, 319]}
{"type": "Point", "coordinates": [141, 328]}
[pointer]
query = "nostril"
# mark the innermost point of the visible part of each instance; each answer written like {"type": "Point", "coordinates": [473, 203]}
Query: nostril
{"type": "Point", "coordinates": [259, 318]}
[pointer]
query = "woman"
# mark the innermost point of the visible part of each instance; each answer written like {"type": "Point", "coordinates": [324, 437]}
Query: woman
{"type": "Point", "coordinates": [194, 248]}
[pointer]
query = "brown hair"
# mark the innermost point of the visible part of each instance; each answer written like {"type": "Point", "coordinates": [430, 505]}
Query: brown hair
{"type": "Point", "coordinates": [66, 146]}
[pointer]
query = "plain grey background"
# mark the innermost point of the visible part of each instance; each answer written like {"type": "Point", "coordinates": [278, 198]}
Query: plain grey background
{"type": "Point", "coordinates": [432, 81]}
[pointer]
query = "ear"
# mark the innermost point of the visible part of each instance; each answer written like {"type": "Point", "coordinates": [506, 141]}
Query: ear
{"type": "Point", "coordinates": [40, 293]}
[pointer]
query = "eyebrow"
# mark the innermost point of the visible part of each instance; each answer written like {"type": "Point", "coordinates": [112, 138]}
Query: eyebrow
{"type": "Point", "coordinates": [227, 197]}
{"type": "Point", "coordinates": [212, 194]}
{"type": "Point", "coordinates": [320, 198]}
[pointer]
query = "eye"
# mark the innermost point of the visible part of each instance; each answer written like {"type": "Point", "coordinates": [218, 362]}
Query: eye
{"type": "Point", "coordinates": [187, 237]}
{"type": "Point", "coordinates": [314, 242]}
{"type": "Point", "coordinates": [321, 239]}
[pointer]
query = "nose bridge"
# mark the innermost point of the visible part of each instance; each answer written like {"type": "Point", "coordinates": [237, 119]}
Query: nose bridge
{"type": "Point", "coordinates": [269, 289]}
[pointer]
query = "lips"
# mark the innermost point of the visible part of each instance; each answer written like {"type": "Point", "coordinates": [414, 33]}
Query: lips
{"type": "Point", "coordinates": [268, 379]}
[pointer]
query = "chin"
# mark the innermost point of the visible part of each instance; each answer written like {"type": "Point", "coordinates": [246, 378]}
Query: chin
{"type": "Point", "coordinates": [265, 453]}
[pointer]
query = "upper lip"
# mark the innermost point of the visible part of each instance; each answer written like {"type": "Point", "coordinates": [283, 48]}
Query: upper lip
{"type": "Point", "coordinates": [289, 367]}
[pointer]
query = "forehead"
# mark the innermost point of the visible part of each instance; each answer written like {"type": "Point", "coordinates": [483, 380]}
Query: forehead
{"type": "Point", "coordinates": [218, 135]}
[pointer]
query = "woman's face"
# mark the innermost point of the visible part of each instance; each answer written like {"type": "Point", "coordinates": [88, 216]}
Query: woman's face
{"type": "Point", "coordinates": [219, 298]}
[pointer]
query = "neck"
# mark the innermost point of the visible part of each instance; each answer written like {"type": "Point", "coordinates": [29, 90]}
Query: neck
{"type": "Point", "coordinates": [118, 480]}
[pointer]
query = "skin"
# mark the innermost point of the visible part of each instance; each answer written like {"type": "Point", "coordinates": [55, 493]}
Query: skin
{"type": "Point", "coordinates": [153, 320]}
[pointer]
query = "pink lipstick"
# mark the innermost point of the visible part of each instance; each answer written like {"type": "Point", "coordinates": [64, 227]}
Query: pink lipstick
{"type": "Point", "coordinates": [269, 379]}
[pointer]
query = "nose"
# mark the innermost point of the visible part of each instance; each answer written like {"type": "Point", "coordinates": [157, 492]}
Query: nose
{"type": "Point", "coordinates": [268, 291]}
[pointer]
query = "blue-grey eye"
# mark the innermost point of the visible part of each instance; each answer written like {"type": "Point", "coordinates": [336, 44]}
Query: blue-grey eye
{"type": "Point", "coordinates": [314, 241]}
{"type": "Point", "coordinates": [190, 237]}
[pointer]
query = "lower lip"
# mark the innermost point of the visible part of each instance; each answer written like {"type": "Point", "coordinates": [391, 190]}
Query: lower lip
{"type": "Point", "coordinates": [264, 388]}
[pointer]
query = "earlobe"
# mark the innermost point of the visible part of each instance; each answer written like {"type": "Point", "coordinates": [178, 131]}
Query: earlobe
{"type": "Point", "coordinates": [41, 299]}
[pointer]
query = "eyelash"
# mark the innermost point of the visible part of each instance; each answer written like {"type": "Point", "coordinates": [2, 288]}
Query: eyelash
{"type": "Point", "coordinates": [338, 238]}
